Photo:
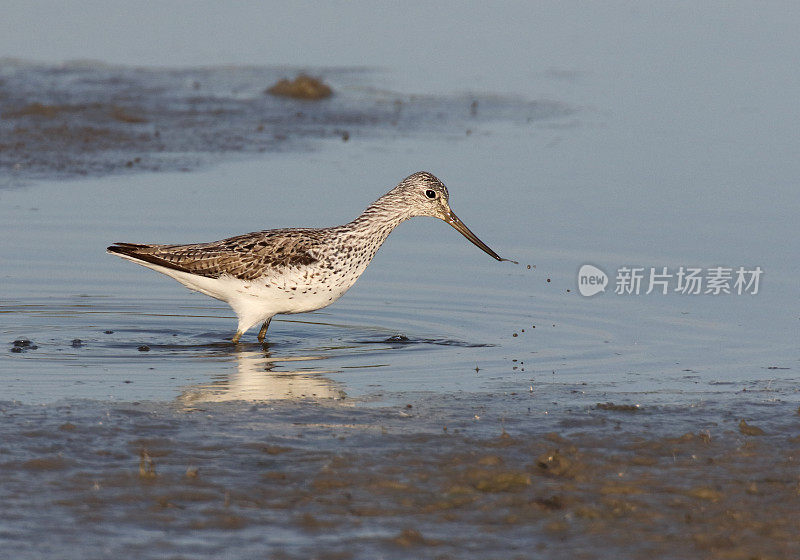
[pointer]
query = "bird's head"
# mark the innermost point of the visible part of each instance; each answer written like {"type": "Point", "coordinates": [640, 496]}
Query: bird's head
{"type": "Point", "coordinates": [422, 194]}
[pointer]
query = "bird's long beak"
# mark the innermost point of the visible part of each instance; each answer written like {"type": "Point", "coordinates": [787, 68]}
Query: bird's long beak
{"type": "Point", "coordinates": [459, 226]}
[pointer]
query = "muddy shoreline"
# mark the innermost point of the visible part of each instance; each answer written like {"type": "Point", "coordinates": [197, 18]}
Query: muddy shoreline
{"type": "Point", "coordinates": [393, 482]}
{"type": "Point", "coordinates": [79, 119]}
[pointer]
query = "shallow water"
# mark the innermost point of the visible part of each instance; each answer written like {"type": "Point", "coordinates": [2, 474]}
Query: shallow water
{"type": "Point", "coordinates": [448, 405]}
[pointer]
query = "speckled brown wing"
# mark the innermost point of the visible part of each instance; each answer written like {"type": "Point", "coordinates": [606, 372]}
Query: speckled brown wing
{"type": "Point", "coordinates": [246, 257]}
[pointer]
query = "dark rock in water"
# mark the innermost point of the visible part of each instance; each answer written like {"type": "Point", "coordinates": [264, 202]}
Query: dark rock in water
{"type": "Point", "coordinates": [144, 348]}
{"type": "Point", "coordinates": [23, 345]}
{"type": "Point", "coordinates": [398, 338]}
{"type": "Point", "coordinates": [303, 87]}
{"type": "Point", "coordinates": [77, 343]}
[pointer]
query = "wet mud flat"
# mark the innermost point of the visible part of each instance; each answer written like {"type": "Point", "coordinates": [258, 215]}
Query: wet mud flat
{"type": "Point", "coordinates": [87, 118]}
{"type": "Point", "coordinates": [458, 476]}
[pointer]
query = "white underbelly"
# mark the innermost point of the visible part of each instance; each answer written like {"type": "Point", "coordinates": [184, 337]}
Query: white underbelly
{"type": "Point", "coordinates": [286, 293]}
{"type": "Point", "coordinates": [295, 291]}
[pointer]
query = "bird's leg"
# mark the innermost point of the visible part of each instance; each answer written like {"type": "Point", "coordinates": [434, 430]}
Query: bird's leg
{"type": "Point", "coordinates": [237, 336]}
{"type": "Point", "coordinates": [263, 332]}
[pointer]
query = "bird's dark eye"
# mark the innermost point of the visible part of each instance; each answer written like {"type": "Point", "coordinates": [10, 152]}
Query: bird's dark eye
{"type": "Point", "coordinates": [430, 193]}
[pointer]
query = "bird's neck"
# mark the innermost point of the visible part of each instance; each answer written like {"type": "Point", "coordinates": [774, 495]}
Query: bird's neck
{"type": "Point", "coordinates": [380, 218]}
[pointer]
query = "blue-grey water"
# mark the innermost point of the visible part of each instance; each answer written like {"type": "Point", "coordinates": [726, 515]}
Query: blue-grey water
{"type": "Point", "coordinates": [448, 406]}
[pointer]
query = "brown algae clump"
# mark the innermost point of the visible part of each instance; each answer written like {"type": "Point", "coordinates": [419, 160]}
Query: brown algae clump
{"type": "Point", "coordinates": [302, 87]}
{"type": "Point", "coordinates": [35, 110]}
{"type": "Point", "coordinates": [749, 430]}
{"type": "Point", "coordinates": [555, 464]}
{"type": "Point", "coordinates": [618, 407]}
{"type": "Point", "coordinates": [147, 468]}
{"type": "Point", "coordinates": [503, 481]}
{"type": "Point", "coordinates": [412, 537]}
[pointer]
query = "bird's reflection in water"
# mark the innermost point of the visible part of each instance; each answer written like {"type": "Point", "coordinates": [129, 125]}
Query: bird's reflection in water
{"type": "Point", "coordinates": [256, 381]}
